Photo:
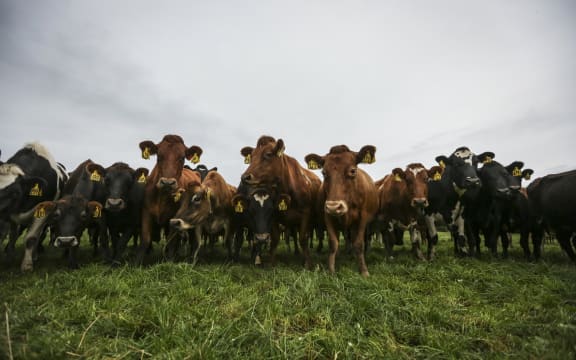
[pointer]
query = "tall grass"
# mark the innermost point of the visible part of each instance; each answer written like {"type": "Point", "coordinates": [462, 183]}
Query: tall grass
{"type": "Point", "coordinates": [449, 308]}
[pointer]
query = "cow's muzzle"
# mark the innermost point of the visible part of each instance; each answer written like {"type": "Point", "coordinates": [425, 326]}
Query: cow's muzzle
{"type": "Point", "coordinates": [169, 184]}
{"type": "Point", "coordinates": [419, 203]}
{"type": "Point", "coordinates": [335, 207]}
{"type": "Point", "coordinates": [248, 179]}
{"type": "Point", "coordinates": [66, 241]}
{"type": "Point", "coordinates": [472, 182]}
{"type": "Point", "coordinates": [179, 224]}
{"type": "Point", "coordinates": [115, 204]}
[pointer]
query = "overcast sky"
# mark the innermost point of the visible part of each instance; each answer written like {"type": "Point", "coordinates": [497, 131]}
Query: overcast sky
{"type": "Point", "coordinates": [417, 79]}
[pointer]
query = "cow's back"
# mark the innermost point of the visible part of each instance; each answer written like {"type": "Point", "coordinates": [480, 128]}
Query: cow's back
{"type": "Point", "coordinates": [553, 197]}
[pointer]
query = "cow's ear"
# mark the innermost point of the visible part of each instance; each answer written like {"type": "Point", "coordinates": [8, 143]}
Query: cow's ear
{"type": "Point", "coordinates": [43, 209]}
{"type": "Point", "coordinates": [284, 202]}
{"type": "Point", "coordinates": [239, 203]}
{"type": "Point", "coordinates": [94, 209]}
{"type": "Point", "coordinates": [442, 160]}
{"type": "Point", "coordinates": [515, 168]}
{"type": "Point", "coordinates": [314, 162]}
{"type": "Point", "coordinates": [366, 155]}
{"type": "Point", "coordinates": [140, 175]}
{"type": "Point", "coordinates": [527, 173]}
{"type": "Point", "coordinates": [246, 152]}
{"type": "Point", "coordinates": [399, 174]}
{"type": "Point", "coordinates": [34, 186]}
{"type": "Point", "coordinates": [435, 173]}
{"type": "Point", "coordinates": [148, 148]}
{"type": "Point", "coordinates": [95, 171]}
{"type": "Point", "coordinates": [486, 157]}
{"type": "Point", "coordinates": [279, 148]}
{"type": "Point", "coordinates": [193, 153]}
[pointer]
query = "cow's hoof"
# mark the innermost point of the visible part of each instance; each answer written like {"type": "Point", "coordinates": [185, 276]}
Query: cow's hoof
{"type": "Point", "coordinates": [27, 267]}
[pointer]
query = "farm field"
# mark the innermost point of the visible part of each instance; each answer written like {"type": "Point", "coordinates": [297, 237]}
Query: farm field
{"type": "Point", "coordinates": [486, 308]}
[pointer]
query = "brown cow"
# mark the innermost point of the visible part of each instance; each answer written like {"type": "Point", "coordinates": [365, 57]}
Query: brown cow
{"type": "Point", "coordinates": [161, 196]}
{"type": "Point", "coordinates": [349, 196]}
{"type": "Point", "coordinates": [403, 196]}
{"type": "Point", "coordinates": [206, 207]}
{"type": "Point", "coordinates": [270, 167]}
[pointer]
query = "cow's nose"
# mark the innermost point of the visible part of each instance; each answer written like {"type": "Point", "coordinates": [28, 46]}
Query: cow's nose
{"type": "Point", "coordinates": [419, 202]}
{"type": "Point", "coordinates": [514, 188]}
{"type": "Point", "coordinates": [338, 207]}
{"type": "Point", "coordinates": [247, 178]}
{"type": "Point", "coordinates": [114, 203]}
{"type": "Point", "coordinates": [168, 182]}
{"type": "Point", "coordinates": [177, 223]}
{"type": "Point", "coordinates": [66, 241]}
{"type": "Point", "coordinates": [472, 181]}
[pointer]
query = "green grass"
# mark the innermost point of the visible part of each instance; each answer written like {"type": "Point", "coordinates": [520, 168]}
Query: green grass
{"type": "Point", "coordinates": [449, 308]}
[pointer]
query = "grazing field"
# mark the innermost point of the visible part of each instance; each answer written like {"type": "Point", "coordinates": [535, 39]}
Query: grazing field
{"type": "Point", "coordinates": [449, 308]}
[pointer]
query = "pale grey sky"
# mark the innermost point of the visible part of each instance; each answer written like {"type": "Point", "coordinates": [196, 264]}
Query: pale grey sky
{"type": "Point", "coordinates": [91, 79]}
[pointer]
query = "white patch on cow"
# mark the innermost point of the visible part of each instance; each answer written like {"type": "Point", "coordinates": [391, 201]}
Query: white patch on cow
{"type": "Point", "coordinates": [261, 199]}
{"type": "Point", "coordinates": [431, 225]}
{"type": "Point", "coordinates": [8, 174]}
{"type": "Point", "coordinates": [465, 155]}
{"type": "Point", "coordinates": [43, 152]}
{"type": "Point", "coordinates": [417, 170]}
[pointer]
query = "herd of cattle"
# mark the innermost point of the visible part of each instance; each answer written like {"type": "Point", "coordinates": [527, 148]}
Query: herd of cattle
{"type": "Point", "coordinates": [472, 194]}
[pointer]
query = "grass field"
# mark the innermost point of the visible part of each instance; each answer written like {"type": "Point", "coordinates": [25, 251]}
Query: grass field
{"type": "Point", "coordinates": [449, 308]}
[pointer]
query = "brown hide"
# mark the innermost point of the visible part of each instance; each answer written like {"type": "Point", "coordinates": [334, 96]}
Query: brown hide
{"type": "Point", "coordinates": [350, 197]}
{"type": "Point", "coordinates": [269, 166]}
{"type": "Point", "coordinates": [164, 185]}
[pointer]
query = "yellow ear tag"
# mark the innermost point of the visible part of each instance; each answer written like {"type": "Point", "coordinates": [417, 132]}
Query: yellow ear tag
{"type": "Point", "coordinates": [368, 158]}
{"type": "Point", "coordinates": [442, 164]}
{"type": "Point", "coordinates": [95, 176]}
{"type": "Point", "coordinates": [397, 177]}
{"type": "Point", "coordinates": [527, 177]}
{"type": "Point", "coordinates": [39, 213]}
{"type": "Point", "coordinates": [313, 165]}
{"type": "Point", "coordinates": [97, 212]}
{"type": "Point", "coordinates": [142, 178]}
{"type": "Point", "coordinates": [487, 160]}
{"type": "Point", "coordinates": [177, 196]}
{"type": "Point", "coordinates": [36, 191]}
{"type": "Point", "coordinates": [247, 159]}
{"type": "Point", "coordinates": [238, 207]}
{"type": "Point", "coordinates": [146, 153]}
{"type": "Point", "coordinates": [516, 172]}
{"type": "Point", "coordinates": [195, 158]}
{"type": "Point", "coordinates": [437, 176]}
{"type": "Point", "coordinates": [282, 206]}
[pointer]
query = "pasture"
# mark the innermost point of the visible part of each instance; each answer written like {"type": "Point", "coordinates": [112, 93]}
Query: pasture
{"type": "Point", "coordinates": [486, 308]}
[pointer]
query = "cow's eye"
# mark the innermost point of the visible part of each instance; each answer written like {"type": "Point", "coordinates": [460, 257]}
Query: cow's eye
{"type": "Point", "coordinates": [268, 155]}
{"type": "Point", "coordinates": [324, 173]}
{"type": "Point", "coordinates": [352, 172]}
{"type": "Point", "coordinates": [196, 198]}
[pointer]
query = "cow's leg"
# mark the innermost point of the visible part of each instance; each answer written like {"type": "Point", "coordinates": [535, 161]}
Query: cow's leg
{"type": "Point", "coordinates": [432, 235]}
{"type": "Point", "coordinates": [238, 240]}
{"type": "Point", "coordinates": [303, 237]}
{"type": "Point", "coordinates": [358, 245]}
{"type": "Point", "coordinates": [389, 240]}
{"type": "Point", "coordinates": [524, 234]}
{"type": "Point", "coordinates": [146, 237]}
{"type": "Point", "coordinates": [196, 244]}
{"type": "Point", "coordinates": [11, 246]}
{"type": "Point", "coordinates": [123, 241]}
{"type": "Point", "coordinates": [72, 262]}
{"type": "Point", "coordinates": [228, 240]}
{"type": "Point", "coordinates": [504, 236]}
{"type": "Point", "coordinates": [564, 240]}
{"type": "Point", "coordinates": [333, 242]}
{"type": "Point", "coordinates": [274, 240]}
{"type": "Point", "coordinates": [416, 240]}
{"type": "Point", "coordinates": [31, 242]}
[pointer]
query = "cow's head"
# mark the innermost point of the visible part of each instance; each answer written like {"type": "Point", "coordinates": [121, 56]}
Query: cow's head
{"type": "Point", "coordinates": [265, 162]}
{"type": "Point", "coordinates": [170, 155]}
{"type": "Point", "coordinates": [416, 177]}
{"type": "Point", "coordinates": [515, 170]}
{"type": "Point", "coordinates": [119, 179]}
{"type": "Point", "coordinates": [260, 206]}
{"type": "Point", "coordinates": [463, 169]}
{"type": "Point", "coordinates": [18, 190]}
{"type": "Point", "coordinates": [496, 180]}
{"type": "Point", "coordinates": [339, 168]}
{"type": "Point", "coordinates": [69, 217]}
{"type": "Point", "coordinates": [196, 205]}
{"type": "Point", "coordinates": [203, 170]}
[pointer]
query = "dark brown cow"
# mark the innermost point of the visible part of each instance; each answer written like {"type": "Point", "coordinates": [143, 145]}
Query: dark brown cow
{"type": "Point", "coordinates": [349, 196]}
{"type": "Point", "coordinates": [270, 167]}
{"type": "Point", "coordinates": [161, 197]}
{"type": "Point", "coordinates": [403, 195]}
{"type": "Point", "coordinates": [206, 207]}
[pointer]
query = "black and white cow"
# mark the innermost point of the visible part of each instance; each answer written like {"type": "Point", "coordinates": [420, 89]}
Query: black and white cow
{"type": "Point", "coordinates": [262, 207]}
{"type": "Point", "coordinates": [449, 193]}
{"type": "Point", "coordinates": [553, 197]}
{"type": "Point", "coordinates": [29, 177]}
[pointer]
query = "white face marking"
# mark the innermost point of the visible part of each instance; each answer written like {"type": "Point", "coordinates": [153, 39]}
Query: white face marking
{"type": "Point", "coordinates": [8, 174]}
{"type": "Point", "coordinates": [415, 171]}
{"type": "Point", "coordinates": [261, 199]}
{"type": "Point", "coordinates": [465, 155]}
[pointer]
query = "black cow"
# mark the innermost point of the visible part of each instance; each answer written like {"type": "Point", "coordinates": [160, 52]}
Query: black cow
{"type": "Point", "coordinates": [29, 177]}
{"type": "Point", "coordinates": [262, 207]}
{"type": "Point", "coordinates": [553, 197]}
{"type": "Point", "coordinates": [68, 218]}
{"type": "Point", "coordinates": [123, 205]}
{"type": "Point", "coordinates": [449, 193]}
